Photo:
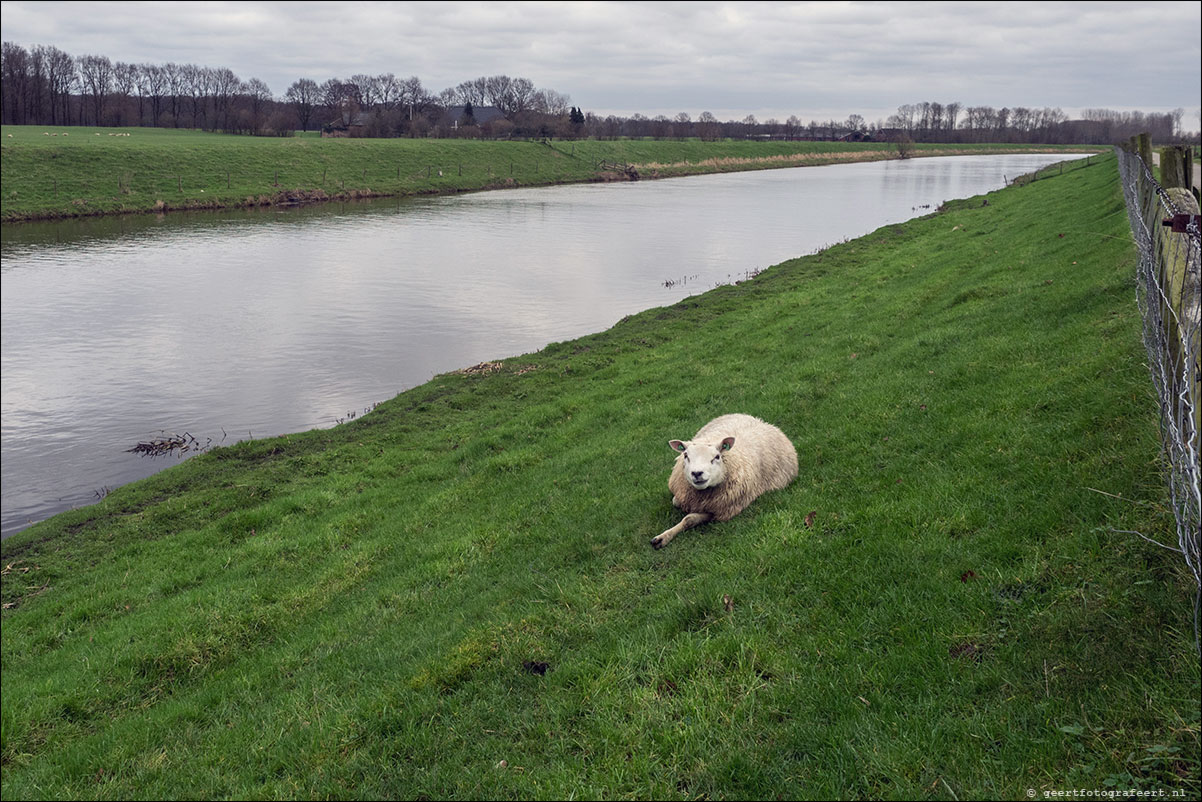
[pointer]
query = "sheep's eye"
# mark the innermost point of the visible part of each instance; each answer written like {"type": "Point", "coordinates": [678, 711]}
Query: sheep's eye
{"type": "Point", "coordinates": [717, 458]}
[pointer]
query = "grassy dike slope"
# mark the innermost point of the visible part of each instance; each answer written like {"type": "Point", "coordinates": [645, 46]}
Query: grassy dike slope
{"type": "Point", "coordinates": [89, 171]}
{"type": "Point", "coordinates": [454, 596]}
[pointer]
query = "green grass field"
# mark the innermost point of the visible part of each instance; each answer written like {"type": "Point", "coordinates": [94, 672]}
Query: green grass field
{"type": "Point", "coordinates": [454, 596]}
{"type": "Point", "coordinates": [55, 172]}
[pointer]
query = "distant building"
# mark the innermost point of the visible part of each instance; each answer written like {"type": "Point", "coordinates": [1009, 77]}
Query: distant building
{"type": "Point", "coordinates": [457, 116]}
{"type": "Point", "coordinates": [347, 125]}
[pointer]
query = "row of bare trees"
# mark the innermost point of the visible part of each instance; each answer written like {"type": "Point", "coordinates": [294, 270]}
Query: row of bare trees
{"type": "Point", "coordinates": [47, 86]}
{"type": "Point", "coordinates": [44, 85]}
{"type": "Point", "coordinates": [385, 105]}
{"type": "Point", "coordinates": [954, 122]}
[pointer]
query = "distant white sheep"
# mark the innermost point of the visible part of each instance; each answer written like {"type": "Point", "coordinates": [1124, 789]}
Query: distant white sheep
{"type": "Point", "coordinates": [729, 463]}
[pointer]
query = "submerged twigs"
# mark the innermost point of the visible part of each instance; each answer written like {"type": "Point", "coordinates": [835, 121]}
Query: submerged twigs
{"type": "Point", "coordinates": [672, 282]}
{"type": "Point", "coordinates": [166, 444]}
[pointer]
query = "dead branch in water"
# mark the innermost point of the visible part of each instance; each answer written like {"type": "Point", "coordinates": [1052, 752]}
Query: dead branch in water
{"type": "Point", "coordinates": [169, 444]}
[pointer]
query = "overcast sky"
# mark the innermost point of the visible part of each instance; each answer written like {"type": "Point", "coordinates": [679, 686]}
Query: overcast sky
{"type": "Point", "coordinates": [817, 60]}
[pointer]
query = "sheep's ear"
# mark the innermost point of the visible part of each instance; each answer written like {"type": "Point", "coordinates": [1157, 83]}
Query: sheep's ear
{"type": "Point", "coordinates": [677, 445]}
{"type": "Point", "coordinates": [727, 443]}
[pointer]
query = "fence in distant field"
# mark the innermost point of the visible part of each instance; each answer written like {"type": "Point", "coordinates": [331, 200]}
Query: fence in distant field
{"type": "Point", "coordinates": [1165, 225]}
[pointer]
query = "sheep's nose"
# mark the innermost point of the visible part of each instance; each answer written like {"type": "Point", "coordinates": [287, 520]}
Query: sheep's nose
{"type": "Point", "coordinates": [696, 474]}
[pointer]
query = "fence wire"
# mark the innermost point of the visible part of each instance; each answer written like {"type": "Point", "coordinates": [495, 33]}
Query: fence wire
{"type": "Point", "coordinates": [1167, 291]}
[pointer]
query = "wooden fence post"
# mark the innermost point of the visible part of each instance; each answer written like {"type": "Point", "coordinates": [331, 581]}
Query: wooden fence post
{"type": "Point", "coordinates": [1143, 146]}
{"type": "Point", "coordinates": [1172, 168]}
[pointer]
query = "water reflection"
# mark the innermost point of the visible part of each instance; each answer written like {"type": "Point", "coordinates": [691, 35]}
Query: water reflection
{"type": "Point", "coordinates": [266, 321]}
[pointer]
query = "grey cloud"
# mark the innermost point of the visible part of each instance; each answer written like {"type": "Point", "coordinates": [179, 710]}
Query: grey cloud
{"type": "Point", "coordinates": [767, 58]}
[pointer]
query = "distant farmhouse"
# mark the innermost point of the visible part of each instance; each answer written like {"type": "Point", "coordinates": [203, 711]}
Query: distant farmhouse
{"type": "Point", "coordinates": [347, 125]}
{"type": "Point", "coordinates": [355, 124]}
{"type": "Point", "coordinates": [459, 116]}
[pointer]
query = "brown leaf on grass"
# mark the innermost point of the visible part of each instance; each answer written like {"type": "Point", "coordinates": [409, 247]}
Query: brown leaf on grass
{"type": "Point", "coordinates": [810, 519]}
{"type": "Point", "coordinates": [728, 603]}
{"type": "Point", "coordinates": [967, 575]}
{"type": "Point", "coordinates": [967, 651]}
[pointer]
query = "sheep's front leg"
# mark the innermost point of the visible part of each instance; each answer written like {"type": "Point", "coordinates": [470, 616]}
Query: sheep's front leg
{"type": "Point", "coordinates": [688, 522]}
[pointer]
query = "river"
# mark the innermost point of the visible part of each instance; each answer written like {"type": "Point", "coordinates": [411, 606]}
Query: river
{"type": "Point", "coordinates": [229, 325]}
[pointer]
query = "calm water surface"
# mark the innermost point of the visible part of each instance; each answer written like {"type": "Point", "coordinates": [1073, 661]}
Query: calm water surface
{"type": "Point", "coordinates": [239, 324]}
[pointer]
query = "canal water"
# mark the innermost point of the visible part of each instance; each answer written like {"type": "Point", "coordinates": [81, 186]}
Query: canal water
{"type": "Point", "coordinates": [230, 325]}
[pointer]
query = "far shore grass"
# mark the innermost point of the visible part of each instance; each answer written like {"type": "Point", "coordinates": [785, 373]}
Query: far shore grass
{"type": "Point", "coordinates": [454, 596]}
{"type": "Point", "coordinates": [51, 172]}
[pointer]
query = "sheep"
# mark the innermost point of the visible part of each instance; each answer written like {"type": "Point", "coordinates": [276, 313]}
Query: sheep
{"type": "Point", "coordinates": [715, 479]}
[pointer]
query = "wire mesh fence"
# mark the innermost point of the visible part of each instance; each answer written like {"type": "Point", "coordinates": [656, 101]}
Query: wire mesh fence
{"type": "Point", "coordinates": [1165, 226]}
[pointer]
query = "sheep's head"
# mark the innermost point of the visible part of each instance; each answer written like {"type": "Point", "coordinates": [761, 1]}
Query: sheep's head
{"type": "Point", "coordinates": [703, 466]}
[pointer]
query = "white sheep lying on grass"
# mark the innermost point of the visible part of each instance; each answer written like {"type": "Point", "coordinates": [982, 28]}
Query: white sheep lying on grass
{"type": "Point", "coordinates": [726, 466]}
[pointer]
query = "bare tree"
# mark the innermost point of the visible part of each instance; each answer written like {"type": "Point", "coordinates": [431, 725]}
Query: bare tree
{"type": "Point", "coordinates": [682, 125]}
{"type": "Point", "coordinates": [365, 90]}
{"type": "Point", "coordinates": [224, 86]}
{"type": "Point", "coordinates": [37, 94]}
{"type": "Point", "coordinates": [304, 95]}
{"type": "Point", "coordinates": [173, 76]}
{"type": "Point", "coordinates": [125, 81]}
{"type": "Point", "coordinates": [258, 93]}
{"type": "Point", "coordinates": [548, 101]}
{"type": "Point", "coordinates": [950, 112]}
{"type": "Point", "coordinates": [388, 91]}
{"type": "Point", "coordinates": [195, 82]}
{"type": "Point", "coordinates": [14, 71]}
{"type": "Point", "coordinates": [522, 94]}
{"type": "Point", "coordinates": [708, 127]}
{"type": "Point", "coordinates": [61, 79]}
{"type": "Point", "coordinates": [152, 83]}
{"type": "Point", "coordinates": [474, 92]}
{"type": "Point", "coordinates": [413, 94]}
{"type": "Point", "coordinates": [792, 127]}
{"type": "Point", "coordinates": [497, 92]}
{"type": "Point", "coordinates": [96, 74]}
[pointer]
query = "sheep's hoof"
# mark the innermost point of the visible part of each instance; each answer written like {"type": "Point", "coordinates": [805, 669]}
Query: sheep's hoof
{"type": "Point", "coordinates": [658, 541]}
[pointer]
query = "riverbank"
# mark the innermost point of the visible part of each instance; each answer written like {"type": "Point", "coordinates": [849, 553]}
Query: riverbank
{"type": "Point", "coordinates": [455, 595]}
{"type": "Point", "coordinates": [74, 172]}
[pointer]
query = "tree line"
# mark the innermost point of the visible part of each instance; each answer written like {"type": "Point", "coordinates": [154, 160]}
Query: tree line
{"type": "Point", "coordinates": [46, 86]}
{"type": "Point", "coordinates": [955, 122]}
{"type": "Point", "coordinates": [919, 122]}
